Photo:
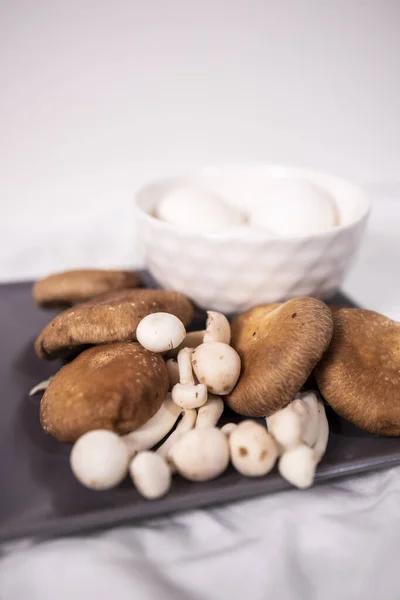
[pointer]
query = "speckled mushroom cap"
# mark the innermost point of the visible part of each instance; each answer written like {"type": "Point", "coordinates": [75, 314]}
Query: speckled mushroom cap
{"type": "Point", "coordinates": [71, 287]}
{"type": "Point", "coordinates": [279, 345]}
{"type": "Point", "coordinates": [108, 318]}
{"type": "Point", "coordinates": [117, 386]}
{"type": "Point", "coordinates": [359, 375]}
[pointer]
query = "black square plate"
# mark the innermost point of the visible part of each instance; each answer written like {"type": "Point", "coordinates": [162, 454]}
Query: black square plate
{"type": "Point", "coordinates": [39, 495]}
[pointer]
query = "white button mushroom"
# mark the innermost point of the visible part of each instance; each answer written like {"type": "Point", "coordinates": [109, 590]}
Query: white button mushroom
{"type": "Point", "coordinates": [298, 465]}
{"type": "Point", "coordinates": [295, 207]}
{"type": "Point", "coordinates": [228, 429]}
{"type": "Point", "coordinates": [217, 365]}
{"type": "Point", "coordinates": [150, 474]}
{"type": "Point", "coordinates": [191, 340]}
{"type": "Point", "coordinates": [253, 451]}
{"type": "Point", "coordinates": [197, 210]}
{"type": "Point", "coordinates": [201, 454]}
{"type": "Point", "coordinates": [217, 328]}
{"type": "Point", "coordinates": [99, 459]}
{"type": "Point", "coordinates": [187, 394]}
{"type": "Point", "coordinates": [159, 332]}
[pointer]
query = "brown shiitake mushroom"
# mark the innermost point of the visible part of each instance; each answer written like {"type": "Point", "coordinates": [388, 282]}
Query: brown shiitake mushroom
{"type": "Point", "coordinates": [359, 375]}
{"type": "Point", "coordinates": [117, 386]}
{"type": "Point", "coordinates": [107, 318]}
{"type": "Point", "coordinates": [279, 345]}
{"type": "Point", "coordinates": [79, 285]}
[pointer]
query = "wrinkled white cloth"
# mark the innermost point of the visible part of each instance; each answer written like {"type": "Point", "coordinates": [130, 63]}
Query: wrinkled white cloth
{"type": "Point", "coordinates": [339, 540]}
{"type": "Point", "coordinates": [333, 541]}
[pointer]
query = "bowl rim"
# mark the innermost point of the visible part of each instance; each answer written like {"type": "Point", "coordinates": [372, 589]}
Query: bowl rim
{"type": "Point", "coordinates": [244, 232]}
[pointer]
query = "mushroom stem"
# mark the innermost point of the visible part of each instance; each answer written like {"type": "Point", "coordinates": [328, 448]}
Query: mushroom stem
{"type": "Point", "coordinates": [323, 433]}
{"type": "Point", "coordinates": [186, 393]}
{"type": "Point", "coordinates": [209, 414]}
{"type": "Point", "coordinates": [186, 423]}
{"type": "Point", "coordinates": [40, 387]}
{"type": "Point", "coordinates": [185, 367]}
{"type": "Point", "coordinates": [155, 429]}
{"type": "Point", "coordinates": [191, 340]}
{"type": "Point", "coordinates": [217, 328]}
{"type": "Point", "coordinates": [173, 372]}
{"type": "Point", "coordinates": [311, 422]}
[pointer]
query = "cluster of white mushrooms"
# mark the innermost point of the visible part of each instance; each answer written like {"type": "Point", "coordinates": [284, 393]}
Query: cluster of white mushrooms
{"type": "Point", "coordinates": [202, 367]}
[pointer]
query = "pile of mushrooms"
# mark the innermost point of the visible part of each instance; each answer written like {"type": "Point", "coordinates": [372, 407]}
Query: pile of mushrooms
{"type": "Point", "coordinates": [183, 436]}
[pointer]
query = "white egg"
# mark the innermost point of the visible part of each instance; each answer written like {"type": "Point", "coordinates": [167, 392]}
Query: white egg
{"type": "Point", "coordinates": [295, 207]}
{"type": "Point", "coordinates": [198, 210]}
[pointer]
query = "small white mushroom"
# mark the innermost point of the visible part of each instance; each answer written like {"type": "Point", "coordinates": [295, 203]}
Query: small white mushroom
{"type": "Point", "coordinates": [40, 387]}
{"type": "Point", "coordinates": [253, 451]}
{"type": "Point", "coordinates": [209, 414]}
{"type": "Point", "coordinates": [186, 423]}
{"type": "Point", "coordinates": [99, 459]}
{"type": "Point", "coordinates": [150, 474]}
{"type": "Point", "coordinates": [217, 365]}
{"type": "Point", "coordinates": [217, 328]}
{"type": "Point", "coordinates": [156, 428]}
{"type": "Point", "coordinates": [173, 372]}
{"type": "Point", "coordinates": [228, 429]}
{"type": "Point", "coordinates": [187, 394]}
{"type": "Point", "coordinates": [201, 454]}
{"type": "Point", "coordinates": [159, 332]}
{"type": "Point", "coordinates": [298, 465]}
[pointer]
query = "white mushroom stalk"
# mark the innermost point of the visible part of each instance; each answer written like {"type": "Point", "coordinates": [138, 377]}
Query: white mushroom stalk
{"type": "Point", "coordinates": [156, 428]}
{"type": "Point", "coordinates": [173, 372]}
{"type": "Point", "coordinates": [40, 387]}
{"type": "Point", "coordinates": [187, 394]}
{"type": "Point", "coordinates": [191, 340]}
{"type": "Point", "coordinates": [186, 423]}
{"type": "Point", "coordinates": [301, 431]}
{"type": "Point", "coordinates": [209, 414]}
{"type": "Point", "coordinates": [253, 450]}
{"type": "Point", "coordinates": [150, 474]}
{"type": "Point", "coordinates": [160, 332]}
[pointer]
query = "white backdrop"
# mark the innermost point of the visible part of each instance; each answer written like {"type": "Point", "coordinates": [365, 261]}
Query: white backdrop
{"type": "Point", "coordinates": [98, 95]}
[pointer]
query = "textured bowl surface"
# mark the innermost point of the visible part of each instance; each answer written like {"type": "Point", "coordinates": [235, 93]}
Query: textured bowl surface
{"type": "Point", "coordinates": [243, 267]}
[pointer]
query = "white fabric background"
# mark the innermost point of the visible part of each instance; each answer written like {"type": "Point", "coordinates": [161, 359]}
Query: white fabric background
{"type": "Point", "coordinates": [99, 96]}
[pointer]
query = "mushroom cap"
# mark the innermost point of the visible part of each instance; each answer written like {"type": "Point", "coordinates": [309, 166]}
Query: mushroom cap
{"type": "Point", "coordinates": [279, 345]}
{"type": "Point", "coordinates": [201, 454]}
{"type": "Point", "coordinates": [78, 285]}
{"type": "Point", "coordinates": [99, 459]}
{"type": "Point", "coordinates": [150, 474]}
{"type": "Point", "coordinates": [217, 365]}
{"type": "Point", "coordinates": [253, 450]}
{"type": "Point", "coordinates": [117, 387]}
{"type": "Point", "coordinates": [160, 332]}
{"type": "Point", "coordinates": [107, 318]}
{"type": "Point", "coordinates": [359, 376]}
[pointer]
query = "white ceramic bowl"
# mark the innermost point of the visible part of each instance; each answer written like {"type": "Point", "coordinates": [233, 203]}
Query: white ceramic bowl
{"type": "Point", "coordinates": [242, 267]}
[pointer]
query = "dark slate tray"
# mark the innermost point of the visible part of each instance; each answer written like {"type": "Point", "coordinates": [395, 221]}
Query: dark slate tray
{"type": "Point", "coordinates": [40, 497]}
